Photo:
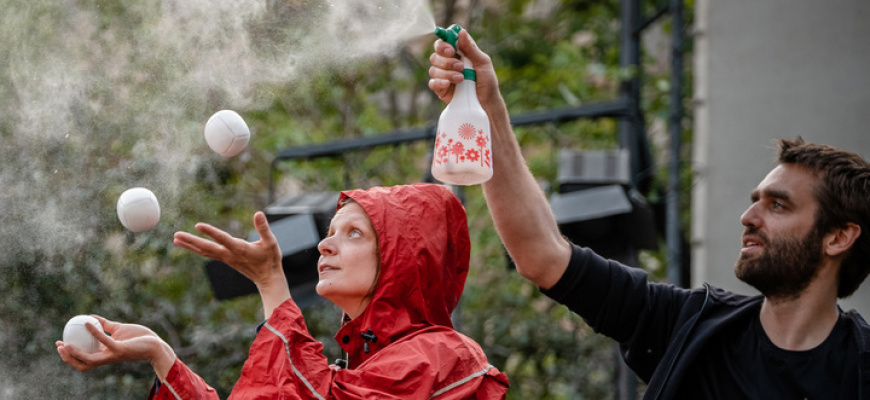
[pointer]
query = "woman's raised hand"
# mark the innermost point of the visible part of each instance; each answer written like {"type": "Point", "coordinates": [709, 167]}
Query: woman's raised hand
{"type": "Point", "coordinates": [259, 261]}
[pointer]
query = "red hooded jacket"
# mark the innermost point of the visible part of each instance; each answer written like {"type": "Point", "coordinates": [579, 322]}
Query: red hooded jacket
{"type": "Point", "coordinates": [403, 346]}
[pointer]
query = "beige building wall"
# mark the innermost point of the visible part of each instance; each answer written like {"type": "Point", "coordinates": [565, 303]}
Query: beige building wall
{"type": "Point", "coordinates": [766, 69]}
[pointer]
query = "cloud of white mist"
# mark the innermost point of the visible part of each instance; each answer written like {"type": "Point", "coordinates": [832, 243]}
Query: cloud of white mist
{"type": "Point", "coordinates": [83, 82]}
{"type": "Point", "coordinates": [99, 96]}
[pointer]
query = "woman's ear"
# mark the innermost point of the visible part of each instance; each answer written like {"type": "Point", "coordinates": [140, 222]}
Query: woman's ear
{"type": "Point", "coordinates": [841, 239]}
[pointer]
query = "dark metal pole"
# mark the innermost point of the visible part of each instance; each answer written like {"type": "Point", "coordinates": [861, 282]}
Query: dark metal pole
{"type": "Point", "coordinates": [629, 58]}
{"type": "Point", "coordinates": [673, 235]}
{"type": "Point", "coordinates": [629, 131]}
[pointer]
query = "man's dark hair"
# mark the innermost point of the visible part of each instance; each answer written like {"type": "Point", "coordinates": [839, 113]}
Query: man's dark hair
{"type": "Point", "coordinates": [843, 194]}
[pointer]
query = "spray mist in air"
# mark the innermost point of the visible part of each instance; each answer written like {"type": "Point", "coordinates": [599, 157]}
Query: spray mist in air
{"type": "Point", "coordinates": [97, 97]}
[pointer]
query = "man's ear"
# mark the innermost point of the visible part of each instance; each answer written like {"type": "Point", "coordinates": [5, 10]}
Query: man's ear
{"type": "Point", "coordinates": [841, 239]}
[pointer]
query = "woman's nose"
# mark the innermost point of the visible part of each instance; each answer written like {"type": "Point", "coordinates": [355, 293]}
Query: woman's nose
{"type": "Point", "coordinates": [325, 246]}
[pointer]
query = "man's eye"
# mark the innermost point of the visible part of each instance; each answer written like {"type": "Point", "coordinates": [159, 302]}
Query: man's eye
{"type": "Point", "coordinates": [777, 205]}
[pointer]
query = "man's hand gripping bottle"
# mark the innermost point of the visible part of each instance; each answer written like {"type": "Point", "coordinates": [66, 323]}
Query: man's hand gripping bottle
{"type": "Point", "coordinates": [463, 145]}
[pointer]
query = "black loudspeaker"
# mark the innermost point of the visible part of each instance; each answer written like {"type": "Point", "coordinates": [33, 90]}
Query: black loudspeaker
{"type": "Point", "coordinates": [597, 207]}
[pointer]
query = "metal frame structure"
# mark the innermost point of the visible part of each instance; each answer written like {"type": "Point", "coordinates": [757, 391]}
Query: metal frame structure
{"type": "Point", "coordinates": [621, 108]}
{"type": "Point", "coordinates": [631, 130]}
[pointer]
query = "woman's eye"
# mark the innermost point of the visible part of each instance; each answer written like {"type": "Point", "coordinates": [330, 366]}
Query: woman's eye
{"type": "Point", "coordinates": [355, 233]}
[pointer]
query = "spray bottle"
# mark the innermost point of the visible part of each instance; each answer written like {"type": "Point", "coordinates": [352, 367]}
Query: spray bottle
{"type": "Point", "coordinates": [463, 144]}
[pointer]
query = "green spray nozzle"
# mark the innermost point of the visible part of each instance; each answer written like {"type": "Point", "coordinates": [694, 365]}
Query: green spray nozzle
{"type": "Point", "coordinates": [449, 35]}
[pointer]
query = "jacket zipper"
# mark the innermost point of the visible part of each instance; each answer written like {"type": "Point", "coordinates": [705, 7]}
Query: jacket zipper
{"type": "Point", "coordinates": [682, 343]}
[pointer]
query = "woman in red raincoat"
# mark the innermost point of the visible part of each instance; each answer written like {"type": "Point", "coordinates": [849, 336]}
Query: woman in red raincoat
{"type": "Point", "coordinates": [395, 261]}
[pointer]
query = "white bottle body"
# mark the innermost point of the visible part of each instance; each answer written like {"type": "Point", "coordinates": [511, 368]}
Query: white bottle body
{"type": "Point", "coordinates": [463, 143]}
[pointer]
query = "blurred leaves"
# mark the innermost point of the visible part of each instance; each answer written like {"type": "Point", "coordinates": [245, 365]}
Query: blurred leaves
{"type": "Point", "coordinates": [104, 95]}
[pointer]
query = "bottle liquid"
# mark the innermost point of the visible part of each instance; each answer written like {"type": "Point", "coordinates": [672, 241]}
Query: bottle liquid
{"type": "Point", "coordinates": [463, 144]}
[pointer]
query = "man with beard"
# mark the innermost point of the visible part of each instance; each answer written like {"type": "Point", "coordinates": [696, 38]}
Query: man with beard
{"type": "Point", "coordinates": [805, 245]}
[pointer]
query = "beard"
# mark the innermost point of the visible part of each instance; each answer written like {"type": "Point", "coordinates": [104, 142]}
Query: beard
{"type": "Point", "coordinates": [786, 266]}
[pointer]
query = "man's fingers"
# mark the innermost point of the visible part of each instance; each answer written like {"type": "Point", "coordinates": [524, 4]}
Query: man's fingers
{"type": "Point", "coordinates": [445, 75]}
{"type": "Point", "coordinates": [441, 88]}
{"type": "Point", "coordinates": [470, 50]}
{"type": "Point", "coordinates": [444, 48]}
{"type": "Point", "coordinates": [446, 63]}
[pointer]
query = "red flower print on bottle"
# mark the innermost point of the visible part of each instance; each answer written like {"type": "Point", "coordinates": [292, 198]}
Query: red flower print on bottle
{"type": "Point", "coordinates": [466, 131]}
{"type": "Point", "coordinates": [458, 150]}
{"type": "Point", "coordinates": [472, 155]}
{"type": "Point", "coordinates": [481, 141]}
{"type": "Point", "coordinates": [442, 152]}
{"type": "Point", "coordinates": [439, 150]}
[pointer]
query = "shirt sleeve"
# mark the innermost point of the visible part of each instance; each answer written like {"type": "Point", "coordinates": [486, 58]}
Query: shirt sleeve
{"type": "Point", "coordinates": [611, 297]}
{"type": "Point", "coordinates": [614, 299]}
{"type": "Point", "coordinates": [620, 302]}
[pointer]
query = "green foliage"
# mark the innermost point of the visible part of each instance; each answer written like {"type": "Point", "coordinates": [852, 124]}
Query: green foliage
{"type": "Point", "coordinates": [129, 125]}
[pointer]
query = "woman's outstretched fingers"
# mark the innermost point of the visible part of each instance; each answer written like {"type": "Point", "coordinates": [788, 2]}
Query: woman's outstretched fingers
{"type": "Point", "coordinates": [108, 325]}
{"type": "Point", "coordinates": [182, 239]}
{"type": "Point", "coordinates": [101, 336]}
{"type": "Point", "coordinates": [63, 351]}
{"type": "Point", "coordinates": [75, 357]}
{"type": "Point", "coordinates": [261, 223]}
{"type": "Point", "coordinates": [198, 245]}
{"type": "Point", "coordinates": [258, 261]}
{"type": "Point", "coordinates": [219, 236]}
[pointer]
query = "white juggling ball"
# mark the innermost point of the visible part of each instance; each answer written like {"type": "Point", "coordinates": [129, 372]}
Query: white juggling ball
{"type": "Point", "coordinates": [227, 133]}
{"type": "Point", "coordinates": [138, 209]}
{"type": "Point", "coordinates": [76, 334]}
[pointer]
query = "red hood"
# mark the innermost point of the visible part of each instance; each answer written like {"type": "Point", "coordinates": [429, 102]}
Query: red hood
{"type": "Point", "coordinates": [424, 252]}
